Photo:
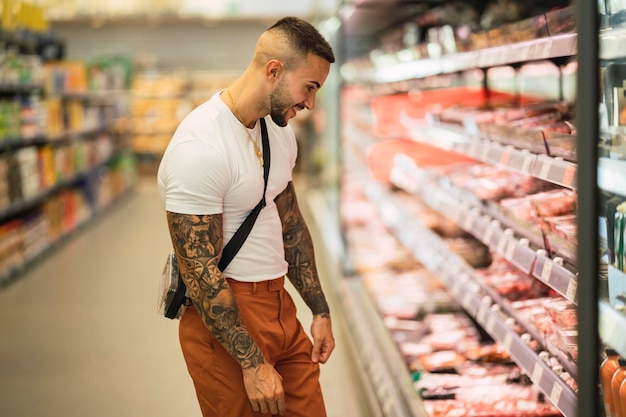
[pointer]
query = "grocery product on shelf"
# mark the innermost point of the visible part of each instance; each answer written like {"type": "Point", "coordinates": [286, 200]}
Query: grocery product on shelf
{"type": "Point", "coordinates": [63, 150]}
{"type": "Point", "coordinates": [159, 101]}
{"type": "Point", "coordinates": [607, 369]}
{"type": "Point", "coordinates": [441, 346]}
{"type": "Point", "coordinates": [616, 382]}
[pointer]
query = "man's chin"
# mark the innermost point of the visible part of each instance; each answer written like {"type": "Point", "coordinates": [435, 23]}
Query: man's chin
{"type": "Point", "coordinates": [280, 120]}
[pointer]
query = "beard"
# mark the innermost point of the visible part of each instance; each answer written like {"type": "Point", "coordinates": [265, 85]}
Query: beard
{"type": "Point", "coordinates": [280, 104]}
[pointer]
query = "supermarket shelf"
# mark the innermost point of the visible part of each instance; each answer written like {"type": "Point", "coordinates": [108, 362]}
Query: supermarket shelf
{"type": "Point", "coordinates": [564, 360]}
{"type": "Point", "coordinates": [380, 358]}
{"type": "Point", "coordinates": [479, 220]}
{"type": "Point", "coordinates": [547, 168]}
{"type": "Point", "coordinates": [612, 175]}
{"type": "Point", "coordinates": [40, 140]}
{"type": "Point", "coordinates": [98, 96]}
{"type": "Point", "coordinates": [12, 88]}
{"type": "Point", "coordinates": [611, 327]}
{"type": "Point", "coordinates": [384, 379]}
{"type": "Point", "coordinates": [432, 252]}
{"type": "Point", "coordinates": [14, 143]}
{"type": "Point", "coordinates": [469, 210]}
{"type": "Point", "coordinates": [6, 277]}
{"type": "Point", "coordinates": [32, 202]}
{"type": "Point", "coordinates": [537, 49]}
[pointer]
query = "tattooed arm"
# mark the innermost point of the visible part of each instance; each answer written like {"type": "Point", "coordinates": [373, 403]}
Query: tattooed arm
{"type": "Point", "coordinates": [302, 271]}
{"type": "Point", "coordinates": [198, 243]}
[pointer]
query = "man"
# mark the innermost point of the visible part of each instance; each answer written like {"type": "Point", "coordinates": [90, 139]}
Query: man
{"type": "Point", "coordinates": [245, 350]}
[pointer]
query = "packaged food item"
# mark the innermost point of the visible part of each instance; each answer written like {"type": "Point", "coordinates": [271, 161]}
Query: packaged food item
{"type": "Point", "coordinates": [622, 396]}
{"type": "Point", "coordinates": [567, 341]}
{"type": "Point", "coordinates": [546, 204]}
{"type": "Point", "coordinates": [563, 313]}
{"type": "Point", "coordinates": [442, 361]}
{"type": "Point", "coordinates": [488, 353]}
{"type": "Point", "coordinates": [607, 370]}
{"type": "Point", "coordinates": [616, 382]}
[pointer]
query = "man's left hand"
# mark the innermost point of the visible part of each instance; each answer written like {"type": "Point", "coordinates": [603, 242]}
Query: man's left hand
{"type": "Point", "coordinates": [323, 340]}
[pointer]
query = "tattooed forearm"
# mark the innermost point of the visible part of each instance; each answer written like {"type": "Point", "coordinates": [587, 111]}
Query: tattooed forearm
{"type": "Point", "coordinates": [299, 253]}
{"type": "Point", "coordinates": [198, 244]}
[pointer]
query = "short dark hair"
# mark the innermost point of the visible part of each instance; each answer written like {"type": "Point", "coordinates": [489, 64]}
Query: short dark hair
{"type": "Point", "coordinates": [304, 38]}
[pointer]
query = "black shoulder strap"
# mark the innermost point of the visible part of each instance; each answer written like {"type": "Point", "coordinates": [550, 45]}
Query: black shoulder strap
{"type": "Point", "coordinates": [235, 243]}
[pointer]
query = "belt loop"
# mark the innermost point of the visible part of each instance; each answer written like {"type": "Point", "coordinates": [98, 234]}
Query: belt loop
{"type": "Point", "coordinates": [254, 288]}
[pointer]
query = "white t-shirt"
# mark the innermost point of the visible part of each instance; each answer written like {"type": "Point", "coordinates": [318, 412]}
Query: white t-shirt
{"type": "Point", "coordinates": [209, 167]}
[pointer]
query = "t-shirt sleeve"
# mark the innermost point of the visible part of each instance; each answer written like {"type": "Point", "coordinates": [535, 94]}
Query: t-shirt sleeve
{"type": "Point", "coordinates": [194, 179]}
{"type": "Point", "coordinates": [293, 149]}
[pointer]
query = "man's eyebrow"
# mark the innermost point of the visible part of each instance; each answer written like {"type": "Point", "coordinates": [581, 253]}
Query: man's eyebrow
{"type": "Point", "coordinates": [316, 84]}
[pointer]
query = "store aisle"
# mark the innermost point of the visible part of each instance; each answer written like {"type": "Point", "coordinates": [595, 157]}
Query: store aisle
{"type": "Point", "coordinates": [80, 335]}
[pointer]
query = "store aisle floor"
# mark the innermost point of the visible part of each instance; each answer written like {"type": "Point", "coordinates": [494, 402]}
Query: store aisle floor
{"type": "Point", "coordinates": [80, 335]}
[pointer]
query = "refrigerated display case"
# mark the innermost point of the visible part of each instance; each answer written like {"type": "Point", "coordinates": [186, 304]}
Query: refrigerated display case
{"type": "Point", "coordinates": [382, 108]}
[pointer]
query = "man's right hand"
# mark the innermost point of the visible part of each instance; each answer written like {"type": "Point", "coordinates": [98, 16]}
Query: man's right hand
{"type": "Point", "coordinates": [265, 389]}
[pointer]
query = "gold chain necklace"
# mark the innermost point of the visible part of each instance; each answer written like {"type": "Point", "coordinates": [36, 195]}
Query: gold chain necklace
{"type": "Point", "coordinates": [257, 151]}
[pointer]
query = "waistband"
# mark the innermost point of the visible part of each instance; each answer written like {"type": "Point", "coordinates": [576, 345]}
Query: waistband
{"type": "Point", "coordinates": [254, 287]}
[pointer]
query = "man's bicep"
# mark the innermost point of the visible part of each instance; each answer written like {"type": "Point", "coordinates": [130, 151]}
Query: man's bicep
{"type": "Point", "coordinates": [287, 203]}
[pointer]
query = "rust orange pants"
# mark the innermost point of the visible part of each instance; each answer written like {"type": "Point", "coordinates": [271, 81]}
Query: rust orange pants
{"type": "Point", "coordinates": [269, 314]}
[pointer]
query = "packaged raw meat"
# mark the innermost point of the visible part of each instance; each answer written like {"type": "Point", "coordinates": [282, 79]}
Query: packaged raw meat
{"type": "Point", "coordinates": [567, 341]}
{"type": "Point", "coordinates": [442, 361]}
{"type": "Point", "coordinates": [458, 340]}
{"type": "Point", "coordinates": [488, 353]}
{"type": "Point", "coordinates": [545, 204]}
{"type": "Point", "coordinates": [380, 156]}
{"type": "Point", "coordinates": [556, 205]}
{"type": "Point", "coordinates": [473, 251]}
{"type": "Point", "coordinates": [563, 313]}
{"type": "Point", "coordinates": [562, 20]}
{"type": "Point", "coordinates": [489, 182]}
{"type": "Point", "coordinates": [510, 282]}
{"type": "Point", "coordinates": [486, 369]}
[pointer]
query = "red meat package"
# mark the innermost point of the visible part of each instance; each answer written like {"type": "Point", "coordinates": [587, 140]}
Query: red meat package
{"type": "Point", "coordinates": [546, 204]}
{"type": "Point", "coordinates": [381, 155]}
{"type": "Point", "coordinates": [504, 408]}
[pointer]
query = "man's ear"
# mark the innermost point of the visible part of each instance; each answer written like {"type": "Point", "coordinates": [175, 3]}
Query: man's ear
{"type": "Point", "coordinates": [274, 69]}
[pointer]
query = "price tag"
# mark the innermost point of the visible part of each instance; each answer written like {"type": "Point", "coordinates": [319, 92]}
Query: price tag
{"type": "Point", "coordinates": [510, 250]}
{"type": "Point", "coordinates": [482, 315]}
{"type": "Point", "coordinates": [469, 220]}
{"type": "Point", "coordinates": [457, 287]}
{"type": "Point", "coordinates": [490, 326]}
{"type": "Point", "coordinates": [454, 213]}
{"type": "Point", "coordinates": [572, 290]}
{"type": "Point", "coordinates": [537, 374]}
{"type": "Point", "coordinates": [545, 169]}
{"type": "Point", "coordinates": [555, 395]}
{"type": "Point", "coordinates": [467, 300]}
{"type": "Point", "coordinates": [504, 158]}
{"type": "Point", "coordinates": [546, 271]}
{"type": "Point", "coordinates": [485, 152]}
{"type": "Point", "coordinates": [568, 177]}
{"type": "Point", "coordinates": [488, 234]}
{"type": "Point", "coordinates": [502, 244]}
{"type": "Point", "coordinates": [508, 341]}
{"type": "Point", "coordinates": [526, 165]}
{"type": "Point", "coordinates": [473, 149]}
{"type": "Point", "coordinates": [547, 50]}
